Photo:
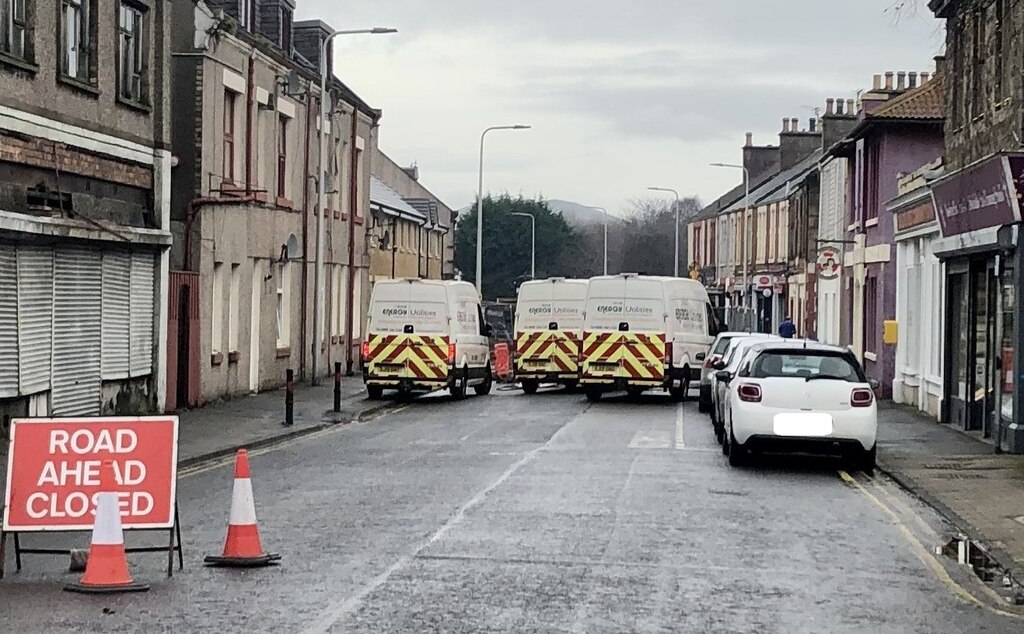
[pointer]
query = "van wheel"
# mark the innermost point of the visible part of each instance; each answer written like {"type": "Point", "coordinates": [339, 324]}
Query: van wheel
{"type": "Point", "coordinates": [571, 387]}
{"type": "Point", "coordinates": [375, 392]}
{"type": "Point", "coordinates": [458, 389]}
{"type": "Point", "coordinates": [593, 395]}
{"type": "Point", "coordinates": [634, 392]}
{"type": "Point", "coordinates": [484, 388]}
{"type": "Point", "coordinates": [682, 393]}
{"type": "Point", "coordinates": [530, 387]}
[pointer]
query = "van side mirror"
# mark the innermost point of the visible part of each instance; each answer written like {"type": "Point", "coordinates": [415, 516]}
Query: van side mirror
{"type": "Point", "coordinates": [724, 376]}
{"type": "Point", "coordinates": [701, 356]}
{"type": "Point", "coordinates": [719, 365]}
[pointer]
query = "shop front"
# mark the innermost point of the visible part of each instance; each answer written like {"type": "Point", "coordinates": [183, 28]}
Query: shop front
{"type": "Point", "coordinates": [979, 217]}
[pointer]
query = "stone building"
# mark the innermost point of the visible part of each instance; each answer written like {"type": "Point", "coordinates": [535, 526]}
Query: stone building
{"type": "Point", "coordinates": [85, 167]}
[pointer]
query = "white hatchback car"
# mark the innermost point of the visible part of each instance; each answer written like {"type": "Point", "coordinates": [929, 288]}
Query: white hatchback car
{"type": "Point", "coordinates": [800, 397]}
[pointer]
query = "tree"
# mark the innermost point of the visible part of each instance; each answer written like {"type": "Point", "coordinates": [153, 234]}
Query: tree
{"type": "Point", "coordinates": [649, 236]}
{"type": "Point", "coordinates": [506, 252]}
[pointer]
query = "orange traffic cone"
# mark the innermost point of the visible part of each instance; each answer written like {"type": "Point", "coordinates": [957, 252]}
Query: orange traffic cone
{"type": "Point", "coordinates": [242, 548]}
{"type": "Point", "coordinates": [106, 570]}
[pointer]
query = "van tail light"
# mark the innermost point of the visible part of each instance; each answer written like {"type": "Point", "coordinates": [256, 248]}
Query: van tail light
{"type": "Point", "coordinates": [749, 392]}
{"type": "Point", "coordinates": [366, 350]}
{"type": "Point", "coordinates": [451, 354]}
{"type": "Point", "coordinates": [668, 353]}
{"type": "Point", "coordinates": [862, 397]}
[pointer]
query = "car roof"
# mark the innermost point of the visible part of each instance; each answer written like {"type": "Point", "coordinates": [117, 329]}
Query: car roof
{"type": "Point", "coordinates": [799, 344]}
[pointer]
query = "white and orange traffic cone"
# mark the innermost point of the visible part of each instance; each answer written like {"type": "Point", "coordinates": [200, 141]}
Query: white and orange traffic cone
{"type": "Point", "coordinates": [106, 570]}
{"type": "Point", "coordinates": [242, 548]}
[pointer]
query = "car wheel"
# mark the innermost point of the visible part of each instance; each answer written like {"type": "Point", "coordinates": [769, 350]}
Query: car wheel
{"type": "Point", "coordinates": [868, 460]}
{"type": "Point", "coordinates": [737, 454]}
{"type": "Point", "coordinates": [375, 392]}
{"type": "Point", "coordinates": [704, 407]}
{"type": "Point", "coordinates": [458, 389]}
{"type": "Point", "coordinates": [484, 388]}
{"type": "Point", "coordinates": [530, 387]}
{"type": "Point", "coordinates": [593, 395]}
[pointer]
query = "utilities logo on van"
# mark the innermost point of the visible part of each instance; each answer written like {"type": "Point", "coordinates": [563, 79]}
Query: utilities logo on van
{"type": "Point", "coordinates": [553, 310]}
{"type": "Point", "coordinates": [405, 312]}
{"type": "Point", "coordinates": [629, 310]}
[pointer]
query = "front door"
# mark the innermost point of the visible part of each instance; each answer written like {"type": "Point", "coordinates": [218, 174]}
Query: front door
{"type": "Point", "coordinates": [971, 353]}
{"type": "Point", "coordinates": [958, 318]}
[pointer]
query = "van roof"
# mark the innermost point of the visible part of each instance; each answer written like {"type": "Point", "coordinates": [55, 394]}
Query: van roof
{"type": "Point", "coordinates": [554, 280]}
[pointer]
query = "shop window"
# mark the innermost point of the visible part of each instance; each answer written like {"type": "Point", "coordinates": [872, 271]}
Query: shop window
{"type": "Point", "coordinates": [871, 315]}
{"type": "Point", "coordinates": [1007, 300]}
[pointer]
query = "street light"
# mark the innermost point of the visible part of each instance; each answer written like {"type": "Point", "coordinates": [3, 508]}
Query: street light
{"type": "Point", "coordinates": [746, 236]}
{"type": "Point", "coordinates": [533, 241]}
{"type": "Point", "coordinates": [318, 299]}
{"type": "Point", "coordinates": [605, 237]}
{"type": "Point", "coordinates": [676, 194]}
{"type": "Point", "coordinates": [480, 206]}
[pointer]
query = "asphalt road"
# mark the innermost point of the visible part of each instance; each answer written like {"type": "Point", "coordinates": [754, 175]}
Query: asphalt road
{"type": "Point", "coordinates": [535, 514]}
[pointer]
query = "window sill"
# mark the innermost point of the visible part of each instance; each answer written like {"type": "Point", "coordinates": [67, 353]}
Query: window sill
{"type": "Point", "coordinates": [871, 356]}
{"type": "Point", "coordinates": [80, 85]}
{"type": "Point", "coordinates": [337, 215]}
{"type": "Point", "coordinates": [18, 63]}
{"type": "Point", "coordinates": [357, 219]}
{"type": "Point", "coordinates": [284, 352]}
{"type": "Point", "coordinates": [284, 203]}
{"type": "Point", "coordinates": [873, 222]}
{"type": "Point", "coordinates": [216, 358]}
{"type": "Point", "coordinates": [260, 197]}
{"type": "Point", "coordinates": [233, 356]}
{"type": "Point", "coordinates": [138, 106]}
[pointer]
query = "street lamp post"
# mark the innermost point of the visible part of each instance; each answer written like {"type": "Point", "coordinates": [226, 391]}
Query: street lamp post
{"type": "Point", "coordinates": [746, 239]}
{"type": "Point", "coordinates": [318, 291]}
{"type": "Point", "coordinates": [602, 209]}
{"type": "Point", "coordinates": [533, 241]}
{"type": "Point", "coordinates": [676, 205]}
{"type": "Point", "coordinates": [480, 206]}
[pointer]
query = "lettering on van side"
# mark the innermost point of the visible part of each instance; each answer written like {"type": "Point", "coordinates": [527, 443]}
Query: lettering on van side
{"type": "Point", "coordinates": [406, 312]}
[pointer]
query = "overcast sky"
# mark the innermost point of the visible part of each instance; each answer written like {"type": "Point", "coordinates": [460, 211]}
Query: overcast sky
{"type": "Point", "coordinates": [622, 94]}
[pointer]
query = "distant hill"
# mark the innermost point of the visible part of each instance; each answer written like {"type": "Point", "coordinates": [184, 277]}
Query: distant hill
{"type": "Point", "coordinates": [580, 215]}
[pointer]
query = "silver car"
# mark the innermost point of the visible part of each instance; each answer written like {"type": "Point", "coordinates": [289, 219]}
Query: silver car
{"type": "Point", "coordinates": [718, 349]}
{"type": "Point", "coordinates": [729, 361]}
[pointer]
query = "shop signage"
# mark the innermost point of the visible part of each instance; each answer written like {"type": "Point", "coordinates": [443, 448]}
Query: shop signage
{"type": "Point", "coordinates": [763, 281]}
{"type": "Point", "coordinates": [829, 263]}
{"type": "Point", "coordinates": [980, 196]}
{"type": "Point", "coordinates": [915, 216]}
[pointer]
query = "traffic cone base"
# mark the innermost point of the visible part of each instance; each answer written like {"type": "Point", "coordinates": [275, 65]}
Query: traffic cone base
{"type": "Point", "coordinates": [242, 548]}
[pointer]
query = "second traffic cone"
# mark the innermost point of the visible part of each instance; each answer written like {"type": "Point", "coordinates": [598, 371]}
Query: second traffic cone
{"type": "Point", "coordinates": [106, 570]}
{"type": "Point", "coordinates": [242, 548]}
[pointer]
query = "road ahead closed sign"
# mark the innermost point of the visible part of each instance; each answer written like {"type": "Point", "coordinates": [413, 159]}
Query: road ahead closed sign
{"type": "Point", "coordinates": [54, 466]}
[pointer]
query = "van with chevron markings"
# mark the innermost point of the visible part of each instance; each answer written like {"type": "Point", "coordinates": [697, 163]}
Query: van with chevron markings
{"type": "Point", "coordinates": [644, 333]}
{"type": "Point", "coordinates": [548, 327]}
{"type": "Point", "coordinates": [425, 336]}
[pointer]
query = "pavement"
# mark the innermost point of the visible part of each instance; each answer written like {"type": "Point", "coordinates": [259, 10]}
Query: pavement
{"type": "Point", "coordinates": [536, 514]}
{"type": "Point", "coordinates": [981, 492]}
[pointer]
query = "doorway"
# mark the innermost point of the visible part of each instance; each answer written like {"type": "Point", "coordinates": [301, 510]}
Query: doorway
{"type": "Point", "coordinates": [184, 362]}
{"type": "Point", "coordinates": [973, 293]}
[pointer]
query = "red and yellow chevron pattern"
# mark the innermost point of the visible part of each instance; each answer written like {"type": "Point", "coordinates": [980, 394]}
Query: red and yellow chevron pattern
{"type": "Point", "coordinates": [547, 352]}
{"type": "Point", "coordinates": [420, 357]}
{"type": "Point", "coordinates": [623, 355]}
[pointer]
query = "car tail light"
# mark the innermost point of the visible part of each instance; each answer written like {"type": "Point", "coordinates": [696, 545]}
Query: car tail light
{"type": "Point", "coordinates": [451, 353]}
{"type": "Point", "coordinates": [366, 350]}
{"type": "Point", "coordinates": [862, 397]}
{"type": "Point", "coordinates": [749, 392]}
{"type": "Point", "coordinates": [668, 352]}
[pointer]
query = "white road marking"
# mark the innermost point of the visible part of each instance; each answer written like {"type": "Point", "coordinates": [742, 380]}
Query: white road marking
{"type": "Point", "coordinates": [651, 440]}
{"type": "Point", "coordinates": [679, 428]}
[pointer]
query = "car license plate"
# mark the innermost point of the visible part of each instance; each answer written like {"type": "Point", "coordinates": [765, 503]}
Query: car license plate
{"type": "Point", "coordinates": [541, 364]}
{"type": "Point", "coordinates": [803, 424]}
{"type": "Point", "coordinates": [390, 368]}
{"type": "Point", "coordinates": [604, 367]}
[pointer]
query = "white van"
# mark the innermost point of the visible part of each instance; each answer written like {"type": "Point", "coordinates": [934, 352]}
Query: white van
{"type": "Point", "coordinates": [642, 333]}
{"type": "Point", "coordinates": [549, 326]}
{"type": "Point", "coordinates": [426, 335]}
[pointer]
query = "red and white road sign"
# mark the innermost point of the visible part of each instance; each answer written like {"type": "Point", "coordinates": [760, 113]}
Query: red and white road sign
{"type": "Point", "coordinates": [53, 471]}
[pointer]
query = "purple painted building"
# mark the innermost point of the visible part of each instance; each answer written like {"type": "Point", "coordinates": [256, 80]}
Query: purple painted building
{"type": "Point", "coordinates": [900, 129]}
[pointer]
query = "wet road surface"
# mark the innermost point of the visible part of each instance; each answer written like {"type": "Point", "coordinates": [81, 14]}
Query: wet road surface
{"type": "Point", "coordinates": [534, 514]}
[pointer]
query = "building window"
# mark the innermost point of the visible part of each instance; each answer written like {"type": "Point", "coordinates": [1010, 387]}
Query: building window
{"type": "Point", "coordinates": [871, 176]}
{"type": "Point", "coordinates": [282, 157]}
{"type": "Point", "coordinates": [338, 303]}
{"type": "Point", "coordinates": [978, 72]}
{"type": "Point", "coordinates": [217, 304]}
{"type": "Point", "coordinates": [696, 244]}
{"type": "Point", "coordinates": [357, 202]}
{"type": "Point", "coordinates": [283, 305]}
{"type": "Point", "coordinates": [996, 13]}
{"type": "Point", "coordinates": [357, 307]}
{"type": "Point", "coordinates": [132, 58]}
{"type": "Point", "coordinates": [228, 166]}
{"type": "Point", "coordinates": [286, 30]}
{"type": "Point", "coordinates": [233, 291]}
{"type": "Point", "coordinates": [958, 92]}
{"type": "Point", "coordinates": [870, 314]}
{"type": "Point", "coordinates": [247, 13]}
{"type": "Point", "coordinates": [78, 37]}
{"type": "Point", "coordinates": [13, 25]}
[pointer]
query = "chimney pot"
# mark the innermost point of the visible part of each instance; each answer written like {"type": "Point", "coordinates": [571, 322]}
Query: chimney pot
{"type": "Point", "coordinates": [830, 105]}
{"type": "Point", "coordinates": [785, 124]}
{"type": "Point", "coordinates": [912, 80]}
{"type": "Point", "coordinates": [850, 110]}
{"type": "Point", "coordinates": [750, 139]}
{"type": "Point", "coordinates": [877, 84]}
{"type": "Point", "coordinates": [794, 124]}
{"type": "Point", "coordinates": [924, 78]}
{"type": "Point", "coordinates": [888, 80]}
{"type": "Point", "coordinates": [813, 127]}
{"type": "Point", "coordinates": [840, 104]}
{"type": "Point", "coordinates": [901, 80]}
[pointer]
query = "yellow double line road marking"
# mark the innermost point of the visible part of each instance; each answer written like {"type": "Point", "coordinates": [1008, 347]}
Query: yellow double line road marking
{"type": "Point", "coordinates": [919, 549]}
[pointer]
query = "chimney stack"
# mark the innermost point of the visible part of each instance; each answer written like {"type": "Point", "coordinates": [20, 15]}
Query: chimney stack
{"type": "Point", "coordinates": [912, 80]}
{"type": "Point", "coordinates": [813, 127]}
{"type": "Point", "coordinates": [750, 139]}
{"type": "Point", "coordinates": [901, 80]}
{"type": "Point", "coordinates": [877, 84]}
{"type": "Point", "coordinates": [888, 80]}
{"type": "Point", "coordinates": [830, 106]}
{"type": "Point", "coordinates": [785, 124]}
{"type": "Point", "coordinates": [924, 78]}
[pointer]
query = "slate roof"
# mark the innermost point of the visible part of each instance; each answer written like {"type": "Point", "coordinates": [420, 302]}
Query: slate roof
{"type": "Point", "coordinates": [774, 190]}
{"type": "Point", "coordinates": [388, 201]}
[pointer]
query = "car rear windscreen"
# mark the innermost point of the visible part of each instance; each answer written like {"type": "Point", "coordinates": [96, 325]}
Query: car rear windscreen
{"type": "Point", "coordinates": [806, 364]}
{"type": "Point", "coordinates": [722, 345]}
{"type": "Point", "coordinates": [396, 317]}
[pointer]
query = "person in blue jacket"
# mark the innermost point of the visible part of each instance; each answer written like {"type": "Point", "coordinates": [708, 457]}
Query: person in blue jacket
{"type": "Point", "coordinates": [787, 329]}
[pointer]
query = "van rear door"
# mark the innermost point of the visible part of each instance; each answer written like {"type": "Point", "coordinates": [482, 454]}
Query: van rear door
{"type": "Point", "coordinates": [625, 331]}
{"type": "Point", "coordinates": [408, 336]}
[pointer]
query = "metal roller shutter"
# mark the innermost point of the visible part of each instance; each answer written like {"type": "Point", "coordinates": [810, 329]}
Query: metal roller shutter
{"type": "Point", "coordinates": [35, 317]}
{"type": "Point", "coordinates": [116, 315]}
{"type": "Point", "coordinates": [8, 322]}
{"type": "Point", "coordinates": [77, 332]}
{"type": "Point", "coordinates": [142, 302]}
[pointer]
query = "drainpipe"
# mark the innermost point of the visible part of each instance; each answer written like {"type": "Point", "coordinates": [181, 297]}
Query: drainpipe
{"type": "Point", "coordinates": [250, 102]}
{"type": "Point", "coordinates": [303, 334]}
{"type": "Point", "coordinates": [353, 192]}
{"type": "Point", "coordinates": [394, 245]}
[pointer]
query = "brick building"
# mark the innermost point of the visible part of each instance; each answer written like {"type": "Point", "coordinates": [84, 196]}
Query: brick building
{"type": "Point", "coordinates": [85, 169]}
{"type": "Point", "coordinates": [245, 202]}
